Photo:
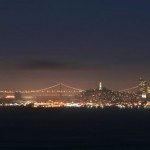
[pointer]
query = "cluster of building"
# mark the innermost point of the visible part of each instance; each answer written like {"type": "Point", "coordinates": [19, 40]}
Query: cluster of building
{"type": "Point", "coordinates": [137, 97]}
{"type": "Point", "coordinates": [108, 98]}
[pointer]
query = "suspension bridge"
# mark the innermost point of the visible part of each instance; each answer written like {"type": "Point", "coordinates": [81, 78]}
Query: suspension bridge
{"type": "Point", "coordinates": [58, 90]}
{"type": "Point", "coordinates": [131, 90]}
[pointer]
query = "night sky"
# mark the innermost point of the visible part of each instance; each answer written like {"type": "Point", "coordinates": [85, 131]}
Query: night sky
{"type": "Point", "coordinates": [78, 42]}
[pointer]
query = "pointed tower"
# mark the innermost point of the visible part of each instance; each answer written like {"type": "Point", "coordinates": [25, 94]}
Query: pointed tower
{"type": "Point", "coordinates": [100, 86]}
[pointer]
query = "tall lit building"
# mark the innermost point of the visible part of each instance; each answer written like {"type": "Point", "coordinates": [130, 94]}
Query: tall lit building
{"type": "Point", "coordinates": [144, 88]}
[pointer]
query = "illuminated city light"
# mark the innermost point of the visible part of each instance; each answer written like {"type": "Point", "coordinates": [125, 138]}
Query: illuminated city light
{"type": "Point", "coordinates": [136, 97]}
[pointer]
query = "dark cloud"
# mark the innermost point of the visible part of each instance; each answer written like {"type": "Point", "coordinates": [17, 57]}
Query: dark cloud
{"type": "Point", "coordinates": [52, 65]}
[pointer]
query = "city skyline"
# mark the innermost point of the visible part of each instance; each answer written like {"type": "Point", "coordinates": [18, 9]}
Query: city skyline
{"type": "Point", "coordinates": [80, 43]}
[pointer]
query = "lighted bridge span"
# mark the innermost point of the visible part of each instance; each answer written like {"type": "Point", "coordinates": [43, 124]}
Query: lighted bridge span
{"type": "Point", "coordinates": [55, 90]}
{"type": "Point", "coordinates": [131, 89]}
